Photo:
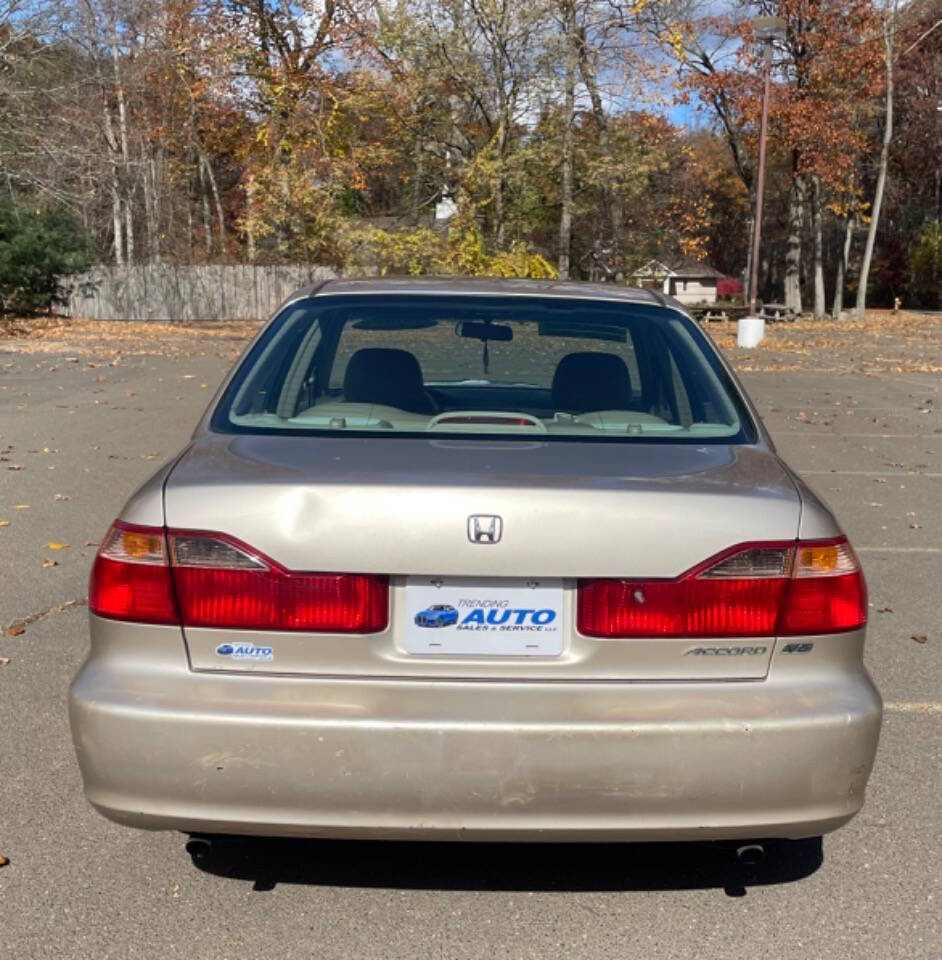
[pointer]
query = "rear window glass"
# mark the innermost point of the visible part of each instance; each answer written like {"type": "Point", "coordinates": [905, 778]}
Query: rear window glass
{"type": "Point", "coordinates": [498, 366]}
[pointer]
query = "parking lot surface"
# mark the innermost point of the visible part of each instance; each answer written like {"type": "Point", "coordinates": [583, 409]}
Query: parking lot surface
{"type": "Point", "coordinates": [86, 413]}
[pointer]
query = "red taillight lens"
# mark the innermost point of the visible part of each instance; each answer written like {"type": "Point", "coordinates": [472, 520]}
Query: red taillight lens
{"type": "Point", "coordinates": [828, 593]}
{"type": "Point", "coordinates": [216, 581]}
{"type": "Point", "coordinates": [221, 582]}
{"type": "Point", "coordinates": [130, 577]}
{"type": "Point", "coordinates": [685, 608]}
{"type": "Point", "coordinates": [756, 590]}
{"type": "Point", "coordinates": [275, 600]}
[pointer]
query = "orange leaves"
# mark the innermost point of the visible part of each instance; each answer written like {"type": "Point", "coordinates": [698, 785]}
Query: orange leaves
{"type": "Point", "coordinates": [824, 78]}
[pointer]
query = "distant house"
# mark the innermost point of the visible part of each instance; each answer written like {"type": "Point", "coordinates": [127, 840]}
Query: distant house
{"type": "Point", "coordinates": [684, 278]}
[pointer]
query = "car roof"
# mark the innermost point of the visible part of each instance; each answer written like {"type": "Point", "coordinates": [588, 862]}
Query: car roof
{"type": "Point", "coordinates": [489, 286]}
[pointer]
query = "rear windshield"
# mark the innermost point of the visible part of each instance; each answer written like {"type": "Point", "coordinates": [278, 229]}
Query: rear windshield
{"type": "Point", "coordinates": [496, 366]}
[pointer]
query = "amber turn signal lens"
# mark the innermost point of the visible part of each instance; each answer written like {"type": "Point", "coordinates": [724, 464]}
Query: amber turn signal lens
{"type": "Point", "coordinates": [825, 559]}
{"type": "Point", "coordinates": [818, 559]}
{"type": "Point", "coordinates": [139, 546]}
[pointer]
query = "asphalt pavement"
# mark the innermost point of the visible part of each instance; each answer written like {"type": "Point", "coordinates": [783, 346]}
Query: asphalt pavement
{"type": "Point", "coordinates": [76, 438]}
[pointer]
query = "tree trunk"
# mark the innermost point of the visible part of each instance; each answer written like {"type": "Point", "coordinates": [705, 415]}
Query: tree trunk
{"type": "Point", "coordinates": [151, 208]}
{"type": "Point", "coordinates": [249, 219]}
{"type": "Point", "coordinates": [123, 141]}
{"type": "Point", "coordinates": [155, 177]}
{"type": "Point", "coordinates": [838, 308]}
{"type": "Point", "coordinates": [889, 26]}
{"type": "Point", "coordinates": [207, 219]}
{"type": "Point", "coordinates": [499, 226]}
{"type": "Point", "coordinates": [116, 216]}
{"type": "Point", "coordinates": [569, 110]}
{"type": "Point", "coordinates": [128, 228]}
{"type": "Point", "coordinates": [217, 202]}
{"type": "Point", "coordinates": [611, 197]}
{"type": "Point", "coordinates": [108, 129]}
{"type": "Point", "coordinates": [796, 214]}
{"type": "Point", "coordinates": [418, 153]}
{"type": "Point", "coordinates": [148, 210]}
{"type": "Point", "coordinates": [820, 305]}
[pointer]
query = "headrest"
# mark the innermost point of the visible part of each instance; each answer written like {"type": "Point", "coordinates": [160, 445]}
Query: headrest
{"type": "Point", "coordinates": [390, 377]}
{"type": "Point", "coordinates": [591, 381]}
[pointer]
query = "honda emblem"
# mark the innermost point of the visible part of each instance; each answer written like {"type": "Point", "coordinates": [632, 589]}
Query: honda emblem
{"type": "Point", "coordinates": [483, 528]}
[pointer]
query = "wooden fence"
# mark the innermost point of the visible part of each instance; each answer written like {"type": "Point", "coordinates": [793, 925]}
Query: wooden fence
{"type": "Point", "coordinates": [171, 292]}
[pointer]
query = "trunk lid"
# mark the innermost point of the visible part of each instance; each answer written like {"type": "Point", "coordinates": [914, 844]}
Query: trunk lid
{"type": "Point", "coordinates": [401, 508]}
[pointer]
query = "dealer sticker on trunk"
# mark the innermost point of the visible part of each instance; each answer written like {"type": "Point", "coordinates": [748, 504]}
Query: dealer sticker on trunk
{"type": "Point", "coordinates": [484, 618]}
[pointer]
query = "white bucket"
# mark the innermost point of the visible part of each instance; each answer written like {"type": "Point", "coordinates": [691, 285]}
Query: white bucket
{"type": "Point", "coordinates": [750, 331]}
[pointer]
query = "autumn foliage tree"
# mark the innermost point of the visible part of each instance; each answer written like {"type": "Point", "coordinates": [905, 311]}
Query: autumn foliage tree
{"type": "Point", "coordinates": [468, 135]}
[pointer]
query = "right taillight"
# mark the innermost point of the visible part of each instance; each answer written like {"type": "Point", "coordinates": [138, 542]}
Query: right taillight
{"type": "Point", "coordinates": [828, 593]}
{"type": "Point", "coordinates": [754, 590]}
{"type": "Point", "coordinates": [206, 579]}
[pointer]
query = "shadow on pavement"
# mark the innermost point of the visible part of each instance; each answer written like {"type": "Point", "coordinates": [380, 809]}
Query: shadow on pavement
{"type": "Point", "coordinates": [505, 867]}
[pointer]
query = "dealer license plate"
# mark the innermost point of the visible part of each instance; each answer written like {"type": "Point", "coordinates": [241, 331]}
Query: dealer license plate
{"type": "Point", "coordinates": [456, 616]}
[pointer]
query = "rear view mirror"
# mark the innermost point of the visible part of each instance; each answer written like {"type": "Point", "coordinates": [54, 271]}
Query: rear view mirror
{"type": "Point", "coordinates": [478, 330]}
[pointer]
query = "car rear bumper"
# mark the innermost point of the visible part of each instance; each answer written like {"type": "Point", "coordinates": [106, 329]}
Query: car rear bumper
{"type": "Point", "coordinates": [163, 747]}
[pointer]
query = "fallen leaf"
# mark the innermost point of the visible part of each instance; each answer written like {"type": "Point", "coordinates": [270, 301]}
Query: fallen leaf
{"type": "Point", "coordinates": [919, 638]}
{"type": "Point", "coordinates": [49, 562]}
{"type": "Point", "coordinates": [4, 860]}
{"type": "Point", "coordinates": [63, 496]}
{"type": "Point", "coordinates": [92, 543]}
{"type": "Point", "coordinates": [56, 545]}
{"type": "Point", "coordinates": [4, 661]}
{"type": "Point", "coordinates": [915, 526]}
{"type": "Point", "coordinates": [885, 610]}
{"type": "Point", "coordinates": [4, 523]}
{"type": "Point", "coordinates": [21, 506]}
{"type": "Point", "coordinates": [15, 466]}
{"type": "Point", "coordinates": [15, 629]}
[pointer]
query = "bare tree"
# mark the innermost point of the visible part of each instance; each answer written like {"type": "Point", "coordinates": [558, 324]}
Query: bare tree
{"type": "Point", "coordinates": [889, 30]}
{"type": "Point", "coordinates": [567, 15]}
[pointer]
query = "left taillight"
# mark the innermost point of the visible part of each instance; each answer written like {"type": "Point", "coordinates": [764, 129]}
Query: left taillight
{"type": "Point", "coordinates": [222, 582]}
{"type": "Point", "coordinates": [207, 579]}
{"type": "Point", "coordinates": [131, 576]}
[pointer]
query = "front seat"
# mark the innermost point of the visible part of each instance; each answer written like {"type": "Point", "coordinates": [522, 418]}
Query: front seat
{"type": "Point", "coordinates": [591, 381]}
{"type": "Point", "coordinates": [390, 377]}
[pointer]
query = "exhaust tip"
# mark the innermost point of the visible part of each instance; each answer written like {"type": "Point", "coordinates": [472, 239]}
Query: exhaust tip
{"type": "Point", "coordinates": [750, 854]}
{"type": "Point", "coordinates": [199, 848]}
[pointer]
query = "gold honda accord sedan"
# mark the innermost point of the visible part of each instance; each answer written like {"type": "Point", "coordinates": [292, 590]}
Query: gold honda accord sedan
{"type": "Point", "coordinates": [499, 560]}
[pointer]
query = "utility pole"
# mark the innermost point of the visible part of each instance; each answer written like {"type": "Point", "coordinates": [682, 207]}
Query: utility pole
{"type": "Point", "coordinates": [768, 30]}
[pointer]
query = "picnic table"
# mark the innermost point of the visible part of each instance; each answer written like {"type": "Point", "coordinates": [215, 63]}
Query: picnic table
{"type": "Point", "coordinates": [768, 311]}
{"type": "Point", "coordinates": [718, 312]}
{"type": "Point", "coordinates": [778, 311]}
